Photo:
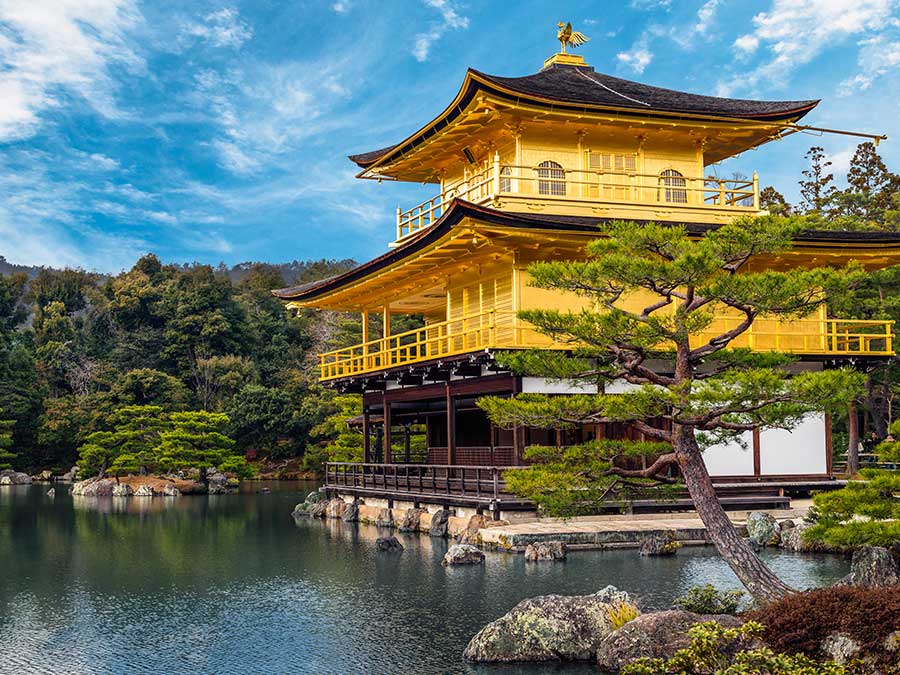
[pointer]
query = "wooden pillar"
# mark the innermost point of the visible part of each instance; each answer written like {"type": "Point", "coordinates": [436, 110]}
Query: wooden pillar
{"type": "Point", "coordinates": [367, 437]}
{"type": "Point", "coordinates": [829, 450]}
{"type": "Point", "coordinates": [757, 461]}
{"type": "Point", "coordinates": [406, 443]}
{"type": "Point", "coordinates": [518, 432]}
{"type": "Point", "coordinates": [387, 431]}
{"type": "Point", "coordinates": [451, 427]}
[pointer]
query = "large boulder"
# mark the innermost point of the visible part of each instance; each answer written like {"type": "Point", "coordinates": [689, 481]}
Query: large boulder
{"type": "Point", "coordinates": [659, 545]}
{"type": "Point", "coordinates": [411, 518]}
{"type": "Point", "coordinates": [657, 635]}
{"type": "Point", "coordinates": [545, 550]}
{"type": "Point", "coordinates": [351, 513]}
{"type": "Point", "coordinates": [94, 487]}
{"type": "Point", "coordinates": [548, 628]}
{"type": "Point", "coordinates": [463, 554]}
{"type": "Point", "coordinates": [763, 529]}
{"type": "Point", "coordinates": [10, 477]}
{"type": "Point", "coordinates": [144, 491]}
{"type": "Point", "coordinates": [794, 539]}
{"type": "Point", "coordinates": [385, 544]}
{"type": "Point", "coordinates": [170, 490]}
{"type": "Point", "coordinates": [318, 509]}
{"type": "Point", "coordinates": [471, 535]}
{"type": "Point", "coordinates": [873, 566]}
{"type": "Point", "coordinates": [439, 523]}
{"type": "Point", "coordinates": [122, 490]}
{"type": "Point", "coordinates": [304, 507]}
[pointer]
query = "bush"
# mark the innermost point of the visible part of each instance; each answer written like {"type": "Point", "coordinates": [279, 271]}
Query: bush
{"type": "Point", "coordinates": [622, 612]}
{"type": "Point", "coordinates": [801, 621]}
{"type": "Point", "coordinates": [709, 600]}
{"type": "Point", "coordinates": [708, 654]}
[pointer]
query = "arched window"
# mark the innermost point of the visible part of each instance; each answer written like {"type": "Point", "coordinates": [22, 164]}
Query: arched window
{"type": "Point", "coordinates": [551, 178]}
{"type": "Point", "coordinates": [505, 180]}
{"type": "Point", "coordinates": [674, 185]}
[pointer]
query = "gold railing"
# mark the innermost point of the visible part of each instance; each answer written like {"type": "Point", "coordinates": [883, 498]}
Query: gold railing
{"type": "Point", "coordinates": [504, 330]}
{"type": "Point", "coordinates": [591, 186]}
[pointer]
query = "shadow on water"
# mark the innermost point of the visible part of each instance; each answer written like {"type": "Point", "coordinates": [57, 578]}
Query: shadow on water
{"type": "Point", "coordinates": [232, 584]}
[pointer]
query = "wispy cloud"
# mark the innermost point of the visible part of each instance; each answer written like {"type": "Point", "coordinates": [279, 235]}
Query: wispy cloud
{"type": "Point", "coordinates": [51, 49]}
{"type": "Point", "coordinates": [341, 6]}
{"type": "Point", "coordinates": [794, 32]}
{"type": "Point", "coordinates": [223, 28]}
{"type": "Point", "coordinates": [638, 57]}
{"type": "Point", "coordinates": [451, 19]}
{"type": "Point", "coordinates": [877, 57]}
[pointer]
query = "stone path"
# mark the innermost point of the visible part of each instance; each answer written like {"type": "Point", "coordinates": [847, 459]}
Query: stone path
{"type": "Point", "coordinates": [597, 532]}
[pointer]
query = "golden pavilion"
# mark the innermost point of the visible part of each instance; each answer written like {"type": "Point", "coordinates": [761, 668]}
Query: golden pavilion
{"type": "Point", "coordinates": [526, 169]}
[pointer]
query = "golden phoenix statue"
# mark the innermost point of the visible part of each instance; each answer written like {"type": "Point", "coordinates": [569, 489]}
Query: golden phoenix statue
{"type": "Point", "coordinates": [567, 36]}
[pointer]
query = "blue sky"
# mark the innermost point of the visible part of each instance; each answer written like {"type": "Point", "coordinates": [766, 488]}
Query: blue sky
{"type": "Point", "coordinates": [218, 131]}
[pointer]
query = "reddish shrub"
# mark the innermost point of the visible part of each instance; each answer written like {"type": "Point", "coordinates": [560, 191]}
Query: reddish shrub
{"type": "Point", "coordinates": [800, 622]}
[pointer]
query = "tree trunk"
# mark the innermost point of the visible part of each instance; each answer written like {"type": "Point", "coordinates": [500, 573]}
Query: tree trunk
{"type": "Point", "coordinates": [853, 441]}
{"type": "Point", "coordinates": [757, 578]}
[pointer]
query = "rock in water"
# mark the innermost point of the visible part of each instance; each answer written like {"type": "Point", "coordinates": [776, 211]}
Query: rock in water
{"type": "Point", "coordinates": [384, 518]}
{"type": "Point", "coordinates": [470, 535]}
{"type": "Point", "coordinates": [10, 477]}
{"type": "Point", "coordinates": [411, 518]}
{"type": "Point", "coordinates": [792, 539]}
{"type": "Point", "coordinates": [336, 507]}
{"type": "Point", "coordinates": [657, 635]}
{"type": "Point", "coordinates": [873, 566]}
{"type": "Point", "coordinates": [171, 491]}
{"type": "Point", "coordinates": [304, 507]}
{"type": "Point", "coordinates": [94, 487]}
{"type": "Point", "coordinates": [545, 550]}
{"type": "Point", "coordinates": [51, 492]}
{"type": "Point", "coordinates": [351, 513]}
{"type": "Point", "coordinates": [548, 628]}
{"type": "Point", "coordinates": [122, 490]}
{"type": "Point", "coordinates": [463, 554]}
{"type": "Point", "coordinates": [763, 529]}
{"type": "Point", "coordinates": [388, 544]}
{"type": "Point", "coordinates": [439, 523]}
{"type": "Point", "coordinates": [144, 491]}
{"type": "Point", "coordinates": [659, 545]}
{"type": "Point", "coordinates": [318, 509]}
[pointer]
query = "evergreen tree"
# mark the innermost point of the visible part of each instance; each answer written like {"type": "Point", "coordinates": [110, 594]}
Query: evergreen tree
{"type": "Point", "coordinates": [865, 512]}
{"type": "Point", "coordinates": [818, 189]}
{"type": "Point", "coordinates": [6, 442]}
{"type": "Point", "coordinates": [706, 393]}
{"type": "Point", "coordinates": [333, 439]}
{"type": "Point", "coordinates": [130, 444]}
{"type": "Point", "coordinates": [199, 440]}
{"type": "Point", "coordinates": [774, 202]}
{"type": "Point", "coordinates": [871, 187]}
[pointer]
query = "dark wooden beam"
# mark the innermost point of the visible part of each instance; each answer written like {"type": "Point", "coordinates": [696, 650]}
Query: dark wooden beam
{"type": "Point", "coordinates": [367, 438]}
{"type": "Point", "coordinates": [451, 426]}
{"type": "Point", "coordinates": [757, 462]}
{"type": "Point", "coordinates": [387, 431]}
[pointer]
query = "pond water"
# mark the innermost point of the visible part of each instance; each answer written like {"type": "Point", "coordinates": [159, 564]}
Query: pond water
{"type": "Point", "coordinates": [231, 584]}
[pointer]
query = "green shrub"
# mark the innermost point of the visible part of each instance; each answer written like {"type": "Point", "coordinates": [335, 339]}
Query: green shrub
{"type": "Point", "coordinates": [709, 600]}
{"type": "Point", "coordinates": [709, 654]}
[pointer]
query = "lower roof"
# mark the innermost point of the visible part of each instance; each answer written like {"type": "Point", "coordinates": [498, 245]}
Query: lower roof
{"type": "Point", "coordinates": [460, 210]}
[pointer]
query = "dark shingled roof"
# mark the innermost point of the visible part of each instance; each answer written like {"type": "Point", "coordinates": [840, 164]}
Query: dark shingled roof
{"type": "Point", "coordinates": [578, 87]}
{"type": "Point", "coordinates": [461, 209]}
{"type": "Point", "coordinates": [576, 84]}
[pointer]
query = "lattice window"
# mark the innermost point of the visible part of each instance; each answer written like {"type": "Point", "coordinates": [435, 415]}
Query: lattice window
{"type": "Point", "coordinates": [673, 184]}
{"type": "Point", "coordinates": [607, 161]}
{"type": "Point", "coordinates": [551, 179]}
{"type": "Point", "coordinates": [616, 186]}
{"type": "Point", "coordinates": [505, 179]}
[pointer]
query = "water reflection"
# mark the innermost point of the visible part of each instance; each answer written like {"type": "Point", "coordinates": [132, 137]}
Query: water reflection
{"type": "Point", "coordinates": [233, 584]}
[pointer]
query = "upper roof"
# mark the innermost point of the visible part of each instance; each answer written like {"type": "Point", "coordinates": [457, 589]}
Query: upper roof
{"type": "Point", "coordinates": [580, 88]}
{"type": "Point", "coordinates": [460, 210]}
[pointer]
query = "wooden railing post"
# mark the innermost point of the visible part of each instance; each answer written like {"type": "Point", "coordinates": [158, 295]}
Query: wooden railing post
{"type": "Point", "coordinates": [399, 227]}
{"type": "Point", "coordinates": [495, 476]}
{"type": "Point", "coordinates": [756, 191]}
{"type": "Point", "coordinates": [496, 181]}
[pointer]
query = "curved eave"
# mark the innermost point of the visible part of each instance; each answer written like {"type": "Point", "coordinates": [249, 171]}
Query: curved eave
{"type": "Point", "coordinates": [460, 210]}
{"type": "Point", "coordinates": [476, 82]}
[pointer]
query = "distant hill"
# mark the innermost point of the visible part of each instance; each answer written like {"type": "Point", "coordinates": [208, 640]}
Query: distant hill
{"type": "Point", "coordinates": [294, 272]}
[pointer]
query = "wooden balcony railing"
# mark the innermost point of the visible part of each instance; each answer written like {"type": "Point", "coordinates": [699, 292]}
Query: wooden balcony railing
{"type": "Point", "coordinates": [504, 330]}
{"type": "Point", "coordinates": [668, 188]}
{"type": "Point", "coordinates": [481, 483]}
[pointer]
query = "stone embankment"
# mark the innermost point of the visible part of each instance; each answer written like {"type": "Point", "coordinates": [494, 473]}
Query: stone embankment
{"type": "Point", "coordinates": [436, 523]}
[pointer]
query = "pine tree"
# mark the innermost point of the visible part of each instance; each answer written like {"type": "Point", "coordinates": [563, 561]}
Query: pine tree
{"type": "Point", "coordinates": [199, 440]}
{"type": "Point", "coordinates": [774, 202]}
{"type": "Point", "coordinates": [702, 394]}
{"type": "Point", "coordinates": [871, 187]}
{"type": "Point", "coordinates": [818, 189]}
{"type": "Point", "coordinates": [130, 446]}
{"type": "Point", "coordinates": [6, 442]}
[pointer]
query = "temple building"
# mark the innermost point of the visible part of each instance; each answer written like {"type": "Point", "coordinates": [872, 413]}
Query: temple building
{"type": "Point", "coordinates": [527, 169]}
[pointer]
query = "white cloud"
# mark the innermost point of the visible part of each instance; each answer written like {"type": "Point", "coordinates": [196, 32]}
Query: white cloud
{"type": "Point", "coordinates": [223, 28]}
{"type": "Point", "coordinates": [706, 15]}
{"type": "Point", "coordinates": [451, 19]}
{"type": "Point", "coordinates": [53, 48]}
{"type": "Point", "coordinates": [840, 161]}
{"type": "Point", "coordinates": [797, 31]}
{"type": "Point", "coordinates": [877, 57]}
{"type": "Point", "coordinates": [161, 217]}
{"type": "Point", "coordinates": [650, 4]}
{"type": "Point", "coordinates": [637, 59]}
{"type": "Point", "coordinates": [341, 6]}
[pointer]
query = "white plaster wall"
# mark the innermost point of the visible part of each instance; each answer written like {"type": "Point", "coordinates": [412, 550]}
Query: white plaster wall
{"type": "Point", "coordinates": [540, 385]}
{"type": "Point", "coordinates": [730, 459]}
{"type": "Point", "coordinates": [798, 451]}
